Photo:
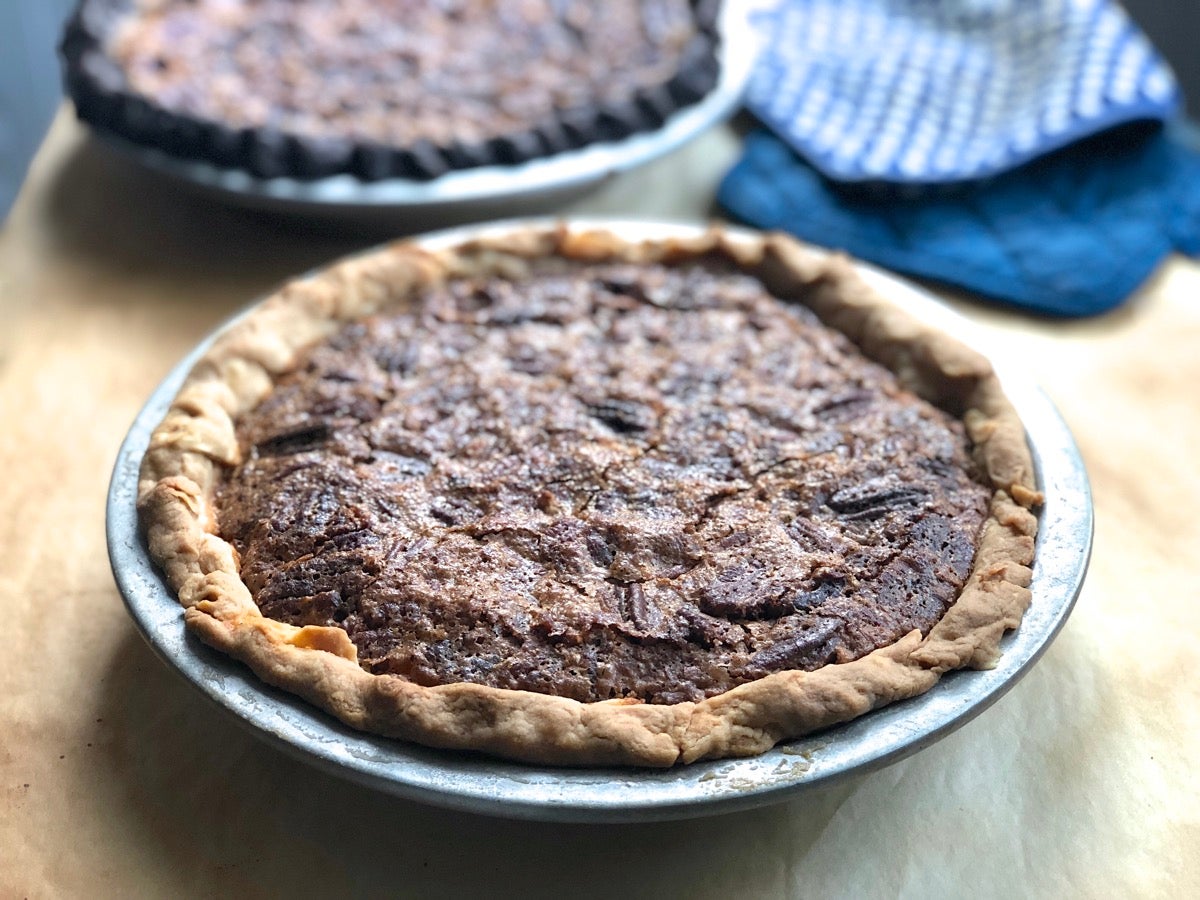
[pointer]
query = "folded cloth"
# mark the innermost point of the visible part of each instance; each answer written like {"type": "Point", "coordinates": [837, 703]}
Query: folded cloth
{"type": "Point", "coordinates": [985, 143]}
{"type": "Point", "coordinates": [1072, 233]}
{"type": "Point", "coordinates": [947, 90]}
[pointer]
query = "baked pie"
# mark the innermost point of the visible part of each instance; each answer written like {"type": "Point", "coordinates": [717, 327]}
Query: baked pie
{"type": "Point", "coordinates": [384, 88]}
{"type": "Point", "coordinates": [566, 498]}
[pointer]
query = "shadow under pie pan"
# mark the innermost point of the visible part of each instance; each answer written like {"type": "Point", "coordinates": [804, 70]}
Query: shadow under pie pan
{"type": "Point", "coordinates": [491, 786]}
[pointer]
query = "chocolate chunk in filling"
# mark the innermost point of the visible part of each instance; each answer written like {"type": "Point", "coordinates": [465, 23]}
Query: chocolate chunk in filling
{"type": "Point", "coordinates": [601, 481]}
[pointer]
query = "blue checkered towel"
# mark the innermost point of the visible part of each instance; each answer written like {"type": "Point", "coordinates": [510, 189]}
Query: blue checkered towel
{"type": "Point", "coordinates": [945, 90]}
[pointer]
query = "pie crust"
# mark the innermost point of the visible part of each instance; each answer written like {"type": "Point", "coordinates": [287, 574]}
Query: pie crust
{"type": "Point", "coordinates": [105, 96]}
{"type": "Point", "coordinates": [186, 452]}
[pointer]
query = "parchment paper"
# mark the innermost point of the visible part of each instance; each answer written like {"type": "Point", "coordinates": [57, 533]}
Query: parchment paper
{"type": "Point", "coordinates": [118, 780]}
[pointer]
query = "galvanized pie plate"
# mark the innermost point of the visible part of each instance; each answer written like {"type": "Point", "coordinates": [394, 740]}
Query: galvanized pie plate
{"type": "Point", "coordinates": [478, 193]}
{"type": "Point", "coordinates": [484, 785]}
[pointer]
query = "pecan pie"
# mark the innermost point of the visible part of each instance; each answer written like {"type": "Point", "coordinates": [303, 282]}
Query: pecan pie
{"type": "Point", "coordinates": [563, 498]}
{"type": "Point", "coordinates": [398, 88]}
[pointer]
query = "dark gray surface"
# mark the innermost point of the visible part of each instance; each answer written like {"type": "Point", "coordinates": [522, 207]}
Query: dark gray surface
{"type": "Point", "coordinates": [30, 88]}
{"type": "Point", "coordinates": [1173, 26]}
{"type": "Point", "coordinates": [493, 787]}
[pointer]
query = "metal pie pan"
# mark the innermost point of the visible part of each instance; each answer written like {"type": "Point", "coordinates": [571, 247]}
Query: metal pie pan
{"type": "Point", "coordinates": [476, 193]}
{"type": "Point", "coordinates": [485, 785]}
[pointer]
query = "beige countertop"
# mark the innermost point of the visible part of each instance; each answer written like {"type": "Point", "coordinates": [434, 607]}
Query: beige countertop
{"type": "Point", "coordinates": [118, 780]}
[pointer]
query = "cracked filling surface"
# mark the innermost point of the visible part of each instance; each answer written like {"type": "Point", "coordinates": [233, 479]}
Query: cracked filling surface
{"type": "Point", "coordinates": [599, 482]}
{"type": "Point", "coordinates": [402, 70]}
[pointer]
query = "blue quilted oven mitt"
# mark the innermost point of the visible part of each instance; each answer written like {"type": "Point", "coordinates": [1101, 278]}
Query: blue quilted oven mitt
{"type": "Point", "coordinates": [1072, 234]}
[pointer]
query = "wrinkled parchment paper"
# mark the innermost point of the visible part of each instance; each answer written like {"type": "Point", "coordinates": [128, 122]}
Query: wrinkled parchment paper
{"type": "Point", "coordinates": [119, 780]}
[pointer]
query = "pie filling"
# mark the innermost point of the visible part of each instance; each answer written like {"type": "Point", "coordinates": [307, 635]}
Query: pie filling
{"type": "Point", "coordinates": [401, 71]}
{"type": "Point", "coordinates": [601, 481]}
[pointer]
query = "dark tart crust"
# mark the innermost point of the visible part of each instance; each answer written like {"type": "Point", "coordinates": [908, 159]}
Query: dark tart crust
{"type": "Point", "coordinates": [596, 469]}
{"type": "Point", "coordinates": [404, 88]}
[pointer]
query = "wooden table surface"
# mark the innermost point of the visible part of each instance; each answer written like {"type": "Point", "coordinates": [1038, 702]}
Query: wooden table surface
{"type": "Point", "coordinates": [116, 779]}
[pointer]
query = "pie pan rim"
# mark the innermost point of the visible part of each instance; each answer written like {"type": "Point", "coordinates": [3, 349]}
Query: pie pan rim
{"type": "Point", "coordinates": [144, 601]}
{"type": "Point", "coordinates": [451, 194]}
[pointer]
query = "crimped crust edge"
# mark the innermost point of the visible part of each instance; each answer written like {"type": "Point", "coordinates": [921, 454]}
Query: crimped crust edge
{"type": "Point", "coordinates": [179, 472]}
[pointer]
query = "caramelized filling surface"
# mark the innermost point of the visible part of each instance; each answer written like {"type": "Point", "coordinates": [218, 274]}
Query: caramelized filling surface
{"type": "Point", "coordinates": [598, 482]}
{"type": "Point", "coordinates": [398, 71]}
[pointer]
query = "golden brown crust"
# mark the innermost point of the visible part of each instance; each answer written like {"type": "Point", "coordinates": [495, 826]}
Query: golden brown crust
{"type": "Point", "coordinates": [318, 663]}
